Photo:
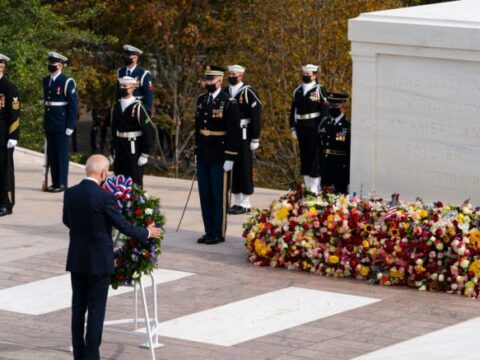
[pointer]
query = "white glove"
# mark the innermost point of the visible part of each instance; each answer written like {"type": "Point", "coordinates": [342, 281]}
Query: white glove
{"type": "Point", "coordinates": [111, 158]}
{"type": "Point", "coordinates": [11, 143]}
{"type": "Point", "coordinates": [254, 144]}
{"type": "Point", "coordinates": [294, 134]}
{"type": "Point", "coordinates": [142, 160]}
{"type": "Point", "coordinates": [69, 132]}
{"type": "Point", "coordinates": [228, 165]}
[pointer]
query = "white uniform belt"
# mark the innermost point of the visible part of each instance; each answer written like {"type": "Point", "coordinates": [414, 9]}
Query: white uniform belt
{"type": "Point", "coordinates": [244, 122]}
{"type": "Point", "coordinates": [56, 103]}
{"type": "Point", "coordinates": [307, 116]}
{"type": "Point", "coordinates": [129, 134]}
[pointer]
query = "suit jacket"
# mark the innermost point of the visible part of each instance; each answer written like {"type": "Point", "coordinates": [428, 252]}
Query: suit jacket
{"type": "Point", "coordinates": [89, 212]}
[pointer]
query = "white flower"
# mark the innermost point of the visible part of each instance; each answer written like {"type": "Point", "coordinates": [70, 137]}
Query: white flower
{"type": "Point", "coordinates": [461, 251]}
{"type": "Point", "coordinates": [148, 211]}
{"type": "Point", "coordinates": [146, 195]}
{"type": "Point", "coordinates": [419, 262]}
{"type": "Point", "coordinates": [441, 278]}
{"type": "Point", "coordinates": [134, 258]}
{"type": "Point", "coordinates": [454, 286]}
{"type": "Point", "coordinates": [439, 246]}
{"type": "Point", "coordinates": [422, 288]}
{"type": "Point", "coordinates": [464, 263]}
{"type": "Point", "coordinates": [434, 276]}
{"type": "Point", "coordinates": [136, 275]}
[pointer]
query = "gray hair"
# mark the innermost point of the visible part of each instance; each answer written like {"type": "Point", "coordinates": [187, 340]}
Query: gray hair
{"type": "Point", "coordinates": [96, 164]}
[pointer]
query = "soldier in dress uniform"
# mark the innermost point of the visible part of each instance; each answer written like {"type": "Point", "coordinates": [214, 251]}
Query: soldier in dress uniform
{"type": "Point", "coordinates": [9, 132]}
{"type": "Point", "coordinates": [61, 109]}
{"type": "Point", "coordinates": [144, 89]}
{"type": "Point", "coordinates": [335, 139]}
{"type": "Point", "coordinates": [132, 133]}
{"type": "Point", "coordinates": [309, 105]}
{"type": "Point", "coordinates": [217, 137]}
{"type": "Point", "coordinates": [250, 111]}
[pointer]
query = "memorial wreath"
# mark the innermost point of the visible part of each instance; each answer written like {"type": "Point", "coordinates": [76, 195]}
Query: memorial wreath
{"type": "Point", "coordinates": [425, 246]}
{"type": "Point", "coordinates": [134, 258]}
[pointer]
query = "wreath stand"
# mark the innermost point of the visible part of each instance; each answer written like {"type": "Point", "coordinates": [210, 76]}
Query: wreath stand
{"type": "Point", "coordinates": [151, 336]}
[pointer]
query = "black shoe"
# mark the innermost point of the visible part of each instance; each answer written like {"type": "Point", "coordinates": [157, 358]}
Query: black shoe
{"type": "Point", "coordinates": [214, 240]}
{"type": "Point", "coordinates": [233, 210]}
{"type": "Point", "coordinates": [240, 210]}
{"type": "Point", "coordinates": [4, 211]}
{"type": "Point", "coordinates": [203, 238]}
{"type": "Point", "coordinates": [58, 189]}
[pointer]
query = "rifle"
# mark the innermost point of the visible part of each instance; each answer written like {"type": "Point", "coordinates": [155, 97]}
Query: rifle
{"type": "Point", "coordinates": [188, 199]}
{"type": "Point", "coordinates": [45, 167]}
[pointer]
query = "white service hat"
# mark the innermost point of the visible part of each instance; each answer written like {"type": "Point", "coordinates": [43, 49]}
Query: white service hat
{"type": "Point", "coordinates": [309, 67]}
{"type": "Point", "coordinates": [127, 80]}
{"type": "Point", "coordinates": [132, 49]}
{"type": "Point", "coordinates": [56, 57]}
{"type": "Point", "coordinates": [236, 68]}
{"type": "Point", "coordinates": [5, 58]}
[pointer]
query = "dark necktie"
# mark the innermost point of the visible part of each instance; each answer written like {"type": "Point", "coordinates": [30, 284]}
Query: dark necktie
{"type": "Point", "coordinates": [128, 72]}
{"type": "Point", "coordinates": [209, 100]}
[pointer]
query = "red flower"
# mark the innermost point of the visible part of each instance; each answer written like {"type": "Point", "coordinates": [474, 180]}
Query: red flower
{"type": "Point", "coordinates": [149, 222]}
{"type": "Point", "coordinates": [147, 254]}
{"type": "Point", "coordinates": [119, 277]}
{"type": "Point", "coordinates": [138, 212]}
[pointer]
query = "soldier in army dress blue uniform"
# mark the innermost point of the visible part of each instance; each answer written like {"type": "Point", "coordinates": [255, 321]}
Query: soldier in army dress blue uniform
{"type": "Point", "coordinates": [9, 132]}
{"type": "Point", "coordinates": [217, 136]}
{"type": "Point", "coordinates": [309, 105]}
{"type": "Point", "coordinates": [335, 137]}
{"type": "Point", "coordinates": [61, 109]}
{"type": "Point", "coordinates": [250, 109]}
{"type": "Point", "coordinates": [144, 89]}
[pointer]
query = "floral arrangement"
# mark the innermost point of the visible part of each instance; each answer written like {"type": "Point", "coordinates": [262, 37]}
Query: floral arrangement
{"type": "Point", "coordinates": [424, 246]}
{"type": "Point", "coordinates": [134, 258]}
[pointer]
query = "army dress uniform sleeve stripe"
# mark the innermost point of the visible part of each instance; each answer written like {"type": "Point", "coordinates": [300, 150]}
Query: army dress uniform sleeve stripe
{"type": "Point", "coordinates": [231, 152]}
{"type": "Point", "coordinates": [15, 125]}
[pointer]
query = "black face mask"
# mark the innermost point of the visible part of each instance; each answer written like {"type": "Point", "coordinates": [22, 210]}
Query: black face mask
{"type": "Point", "coordinates": [211, 87]}
{"type": "Point", "coordinates": [306, 79]}
{"type": "Point", "coordinates": [52, 68]}
{"type": "Point", "coordinates": [334, 112]}
{"type": "Point", "coordinates": [128, 60]}
{"type": "Point", "coordinates": [123, 92]}
{"type": "Point", "coordinates": [233, 80]}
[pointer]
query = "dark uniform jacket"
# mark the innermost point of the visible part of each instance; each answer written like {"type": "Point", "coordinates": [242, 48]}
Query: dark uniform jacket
{"type": "Point", "coordinates": [89, 212]}
{"type": "Point", "coordinates": [250, 108]}
{"type": "Point", "coordinates": [313, 104]}
{"type": "Point", "coordinates": [62, 90]}
{"type": "Point", "coordinates": [217, 129]}
{"type": "Point", "coordinates": [144, 91]}
{"type": "Point", "coordinates": [134, 119]}
{"type": "Point", "coordinates": [9, 112]}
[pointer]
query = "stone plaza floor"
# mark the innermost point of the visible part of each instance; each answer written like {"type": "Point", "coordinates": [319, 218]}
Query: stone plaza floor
{"type": "Point", "coordinates": [216, 305]}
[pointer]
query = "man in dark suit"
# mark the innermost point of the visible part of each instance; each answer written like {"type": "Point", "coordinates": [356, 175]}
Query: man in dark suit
{"type": "Point", "coordinates": [89, 212]}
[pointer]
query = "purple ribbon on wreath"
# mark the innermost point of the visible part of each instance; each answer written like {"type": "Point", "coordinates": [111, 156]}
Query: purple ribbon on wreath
{"type": "Point", "coordinates": [121, 187]}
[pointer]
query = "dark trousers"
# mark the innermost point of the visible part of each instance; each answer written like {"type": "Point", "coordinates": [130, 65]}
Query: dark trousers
{"type": "Point", "coordinates": [57, 152]}
{"type": "Point", "coordinates": [213, 185]}
{"type": "Point", "coordinates": [7, 178]}
{"type": "Point", "coordinates": [89, 294]}
{"type": "Point", "coordinates": [242, 177]}
{"type": "Point", "coordinates": [309, 144]}
{"type": "Point", "coordinates": [126, 164]}
{"type": "Point", "coordinates": [336, 173]}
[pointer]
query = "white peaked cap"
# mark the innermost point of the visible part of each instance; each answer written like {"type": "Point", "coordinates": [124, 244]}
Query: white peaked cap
{"type": "Point", "coordinates": [56, 56]}
{"type": "Point", "coordinates": [309, 67]}
{"type": "Point", "coordinates": [3, 57]}
{"type": "Point", "coordinates": [127, 80]}
{"type": "Point", "coordinates": [236, 68]}
{"type": "Point", "coordinates": [132, 49]}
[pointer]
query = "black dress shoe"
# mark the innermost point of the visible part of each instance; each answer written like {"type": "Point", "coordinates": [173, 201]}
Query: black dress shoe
{"type": "Point", "coordinates": [4, 211]}
{"type": "Point", "coordinates": [214, 240]}
{"type": "Point", "coordinates": [58, 189]}
{"type": "Point", "coordinates": [233, 210]}
{"type": "Point", "coordinates": [240, 210]}
{"type": "Point", "coordinates": [202, 239]}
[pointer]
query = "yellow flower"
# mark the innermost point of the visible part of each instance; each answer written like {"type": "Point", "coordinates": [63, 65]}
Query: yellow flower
{"type": "Point", "coordinates": [423, 213]}
{"type": "Point", "coordinates": [475, 268]}
{"type": "Point", "coordinates": [364, 271]}
{"type": "Point", "coordinates": [261, 248]}
{"type": "Point", "coordinates": [312, 211]}
{"type": "Point", "coordinates": [394, 232]}
{"type": "Point", "coordinates": [460, 218]}
{"type": "Point", "coordinates": [469, 285]}
{"type": "Point", "coordinates": [306, 265]}
{"type": "Point", "coordinates": [365, 244]}
{"type": "Point", "coordinates": [419, 268]}
{"type": "Point", "coordinates": [282, 214]}
{"type": "Point", "coordinates": [394, 274]}
{"type": "Point", "coordinates": [330, 218]}
{"type": "Point", "coordinates": [333, 259]}
{"type": "Point", "coordinates": [261, 226]}
{"type": "Point", "coordinates": [475, 237]}
{"type": "Point", "coordinates": [368, 227]}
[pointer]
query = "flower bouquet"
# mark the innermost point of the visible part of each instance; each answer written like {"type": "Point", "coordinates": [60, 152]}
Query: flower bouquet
{"type": "Point", "coordinates": [424, 246]}
{"type": "Point", "coordinates": [134, 258]}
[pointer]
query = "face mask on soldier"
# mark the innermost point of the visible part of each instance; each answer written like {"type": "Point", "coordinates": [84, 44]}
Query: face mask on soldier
{"type": "Point", "coordinates": [334, 112]}
{"type": "Point", "coordinates": [306, 79]}
{"type": "Point", "coordinates": [52, 68]}
{"type": "Point", "coordinates": [211, 87]}
{"type": "Point", "coordinates": [123, 92]}
{"type": "Point", "coordinates": [128, 60]}
{"type": "Point", "coordinates": [233, 80]}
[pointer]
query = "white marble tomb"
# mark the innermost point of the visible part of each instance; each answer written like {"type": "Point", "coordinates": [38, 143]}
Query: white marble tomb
{"type": "Point", "coordinates": [416, 102]}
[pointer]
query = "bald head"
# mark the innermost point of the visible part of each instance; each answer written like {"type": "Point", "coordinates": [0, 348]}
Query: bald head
{"type": "Point", "coordinates": [96, 165]}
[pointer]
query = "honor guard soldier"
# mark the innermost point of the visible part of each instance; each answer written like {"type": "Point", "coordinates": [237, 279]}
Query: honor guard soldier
{"type": "Point", "coordinates": [61, 109]}
{"type": "Point", "coordinates": [250, 109]}
{"type": "Point", "coordinates": [309, 105]}
{"type": "Point", "coordinates": [217, 137]}
{"type": "Point", "coordinates": [9, 132]}
{"type": "Point", "coordinates": [144, 89]}
{"type": "Point", "coordinates": [334, 135]}
{"type": "Point", "coordinates": [132, 133]}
